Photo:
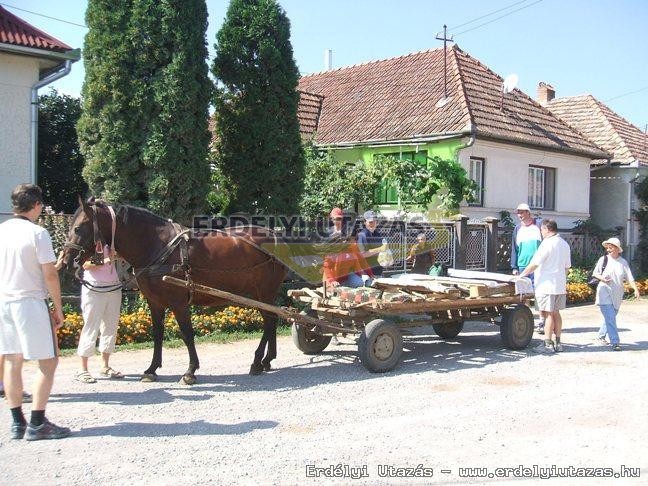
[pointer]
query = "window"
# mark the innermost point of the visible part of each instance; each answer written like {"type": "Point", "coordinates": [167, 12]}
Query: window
{"type": "Point", "coordinates": [387, 193]}
{"type": "Point", "coordinates": [542, 187]}
{"type": "Point", "coordinates": [476, 173]}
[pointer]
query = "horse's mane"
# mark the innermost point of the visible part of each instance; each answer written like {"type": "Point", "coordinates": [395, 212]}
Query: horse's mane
{"type": "Point", "coordinates": [126, 210]}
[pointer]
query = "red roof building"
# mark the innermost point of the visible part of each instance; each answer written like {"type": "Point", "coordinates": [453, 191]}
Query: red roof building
{"type": "Point", "coordinates": [17, 32]}
{"type": "Point", "coordinates": [401, 99]}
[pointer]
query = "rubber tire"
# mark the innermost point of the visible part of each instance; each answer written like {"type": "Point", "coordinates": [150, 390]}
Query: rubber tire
{"type": "Point", "coordinates": [309, 342]}
{"type": "Point", "coordinates": [448, 330]}
{"type": "Point", "coordinates": [380, 346]}
{"type": "Point", "coordinates": [516, 328]}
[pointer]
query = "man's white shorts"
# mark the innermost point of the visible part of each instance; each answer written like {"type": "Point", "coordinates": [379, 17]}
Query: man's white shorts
{"type": "Point", "coordinates": [551, 302]}
{"type": "Point", "coordinates": [25, 329]}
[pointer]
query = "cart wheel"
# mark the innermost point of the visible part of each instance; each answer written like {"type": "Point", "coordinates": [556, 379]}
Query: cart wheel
{"type": "Point", "coordinates": [448, 330]}
{"type": "Point", "coordinates": [516, 328]}
{"type": "Point", "coordinates": [380, 346]}
{"type": "Point", "coordinates": [307, 341]}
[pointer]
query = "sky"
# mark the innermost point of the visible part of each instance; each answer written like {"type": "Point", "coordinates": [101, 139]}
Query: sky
{"type": "Point", "coordinates": [596, 47]}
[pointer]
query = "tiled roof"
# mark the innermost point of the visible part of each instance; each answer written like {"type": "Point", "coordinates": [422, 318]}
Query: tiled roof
{"type": "Point", "coordinates": [15, 31]}
{"type": "Point", "coordinates": [601, 125]}
{"type": "Point", "coordinates": [308, 112]}
{"type": "Point", "coordinates": [397, 99]}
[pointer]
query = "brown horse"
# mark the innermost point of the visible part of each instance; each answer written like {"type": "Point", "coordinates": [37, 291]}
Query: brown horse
{"type": "Point", "coordinates": [155, 247]}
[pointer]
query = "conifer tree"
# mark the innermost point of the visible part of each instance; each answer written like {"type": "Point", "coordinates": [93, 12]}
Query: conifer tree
{"type": "Point", "coordinates": [258, 146]}
{"type": "Point", "coordinates": [146, 96]}
{"type": "Point", "coordinates": [111, 129]}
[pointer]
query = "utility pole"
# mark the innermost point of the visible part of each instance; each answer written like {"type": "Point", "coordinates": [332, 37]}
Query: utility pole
{"type": "Point", "coordinates": [445, 40]}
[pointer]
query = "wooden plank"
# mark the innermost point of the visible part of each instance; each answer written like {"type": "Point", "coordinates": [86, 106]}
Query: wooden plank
{"type": "Point", "coordinates": [486, 291]}
{"type": "Point", "coordinates": [290, 315]}
{"type": "Point", "coordinates": [468, 274]}
{"type": "Point", "coordinates": [440, 305]}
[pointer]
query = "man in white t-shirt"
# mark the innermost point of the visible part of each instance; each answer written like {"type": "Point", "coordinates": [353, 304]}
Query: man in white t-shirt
{"type": "Point", "coordinates": [27, 275]}
{"type": "Point", "coordinates": [550, 263]}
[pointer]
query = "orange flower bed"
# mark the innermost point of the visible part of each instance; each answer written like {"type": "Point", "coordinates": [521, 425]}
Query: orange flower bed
{"type": "Point", "coordinates": [136, 326]}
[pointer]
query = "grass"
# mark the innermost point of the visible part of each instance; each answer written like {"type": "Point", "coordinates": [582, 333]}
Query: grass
{"type": "Point", "coordinates": [217, 337]}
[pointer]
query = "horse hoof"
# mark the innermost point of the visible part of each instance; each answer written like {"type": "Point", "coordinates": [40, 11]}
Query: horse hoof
{"type": "Point", "coordinates": [256, 369]}
{"type": "Point", "coordinates": [267, 366]}
{"type": "Point", "coordinates": [188, 380]}
{"type": "Point", "coordinates": [148, 378]}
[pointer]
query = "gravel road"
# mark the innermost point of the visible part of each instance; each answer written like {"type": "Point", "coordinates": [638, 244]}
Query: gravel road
{"type": "Point", "coordinates": [467, 403]}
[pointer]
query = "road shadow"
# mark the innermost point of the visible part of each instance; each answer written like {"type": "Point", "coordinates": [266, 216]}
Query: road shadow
{"type": "Point", "coordinates": [593, 330]}
{"type": "Point", "coordinates": [197, 427]}
{"type": "Point", "coordinates": [146, 397]}
{"type": "Point", "coordinates": [478, 346]}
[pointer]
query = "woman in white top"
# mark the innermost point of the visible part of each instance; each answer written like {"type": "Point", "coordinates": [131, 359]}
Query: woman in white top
{"type": "Point", "coordinates": [609, 292]}
{"type": "Point", "coordinates": [100, 308]}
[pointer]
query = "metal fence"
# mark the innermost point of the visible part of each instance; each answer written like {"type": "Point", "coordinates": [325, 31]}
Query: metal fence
{"type": "Point", "coordinates": [443, 239]}
{"type": "Point", "coordinates": [585, 247]}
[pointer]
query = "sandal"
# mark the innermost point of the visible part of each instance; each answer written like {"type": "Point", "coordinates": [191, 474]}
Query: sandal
{"type": "Point", "coordinates": [85, 377]}
{"type": "Point", "coordinates": [110, 373]}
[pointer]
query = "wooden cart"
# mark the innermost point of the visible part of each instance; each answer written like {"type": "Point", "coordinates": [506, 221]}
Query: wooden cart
{"type": "Point", "coordinates": [378, 316]}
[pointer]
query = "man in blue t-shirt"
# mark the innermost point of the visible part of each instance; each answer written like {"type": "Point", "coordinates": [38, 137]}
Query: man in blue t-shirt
{"type": "Point", "coordinates": [370, 242]}
{"type": "Point", "coordinates": [526, 241]}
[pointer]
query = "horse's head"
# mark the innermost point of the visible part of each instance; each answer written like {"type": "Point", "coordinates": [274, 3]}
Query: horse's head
{"type": "Point", "coordinates": [83, 238]}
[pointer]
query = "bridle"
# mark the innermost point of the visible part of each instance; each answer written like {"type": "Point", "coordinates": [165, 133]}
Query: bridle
{"type": "Point", "coordinates": [98, 257]}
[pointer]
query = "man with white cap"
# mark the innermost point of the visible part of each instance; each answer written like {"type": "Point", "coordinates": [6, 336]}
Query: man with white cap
{"type": "Point", "coordinates": [370, 242]}
{"type": "Point", "coordinates": [612, 270]}
{"type": "Point", "coordinates": [526, 241]}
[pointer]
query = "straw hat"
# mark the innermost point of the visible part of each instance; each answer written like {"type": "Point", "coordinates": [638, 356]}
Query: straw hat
{"type": "Point", "coordinates": [613, 241]}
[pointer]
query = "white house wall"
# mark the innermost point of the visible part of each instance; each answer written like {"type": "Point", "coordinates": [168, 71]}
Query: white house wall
{"type": "Point", "coordinates": [506, 181]}
{"type": "Point", "coordinates": [17, 75]}
{"type": "Point", "coordinates": [611, 189]}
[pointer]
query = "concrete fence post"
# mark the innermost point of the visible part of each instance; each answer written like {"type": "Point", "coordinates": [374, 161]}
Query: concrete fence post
{"type": "Point", "coordinates": [461, 235]}
{"type": "Point", "coordinates": [492, 243]}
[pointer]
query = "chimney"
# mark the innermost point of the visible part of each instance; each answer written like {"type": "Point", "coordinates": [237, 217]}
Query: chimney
{"type": "Point", "coordinates": [546, 93]}
{"type": "Point", "coordinates": [328, 59]}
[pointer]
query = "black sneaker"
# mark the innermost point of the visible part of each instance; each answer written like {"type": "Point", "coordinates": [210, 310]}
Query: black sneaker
{"type": "Point", "coordinates": [18, 431]}
{"type": "Point", "coordinates": [47, 430]}
{"type": "Point", "coordinates": [540, 329]}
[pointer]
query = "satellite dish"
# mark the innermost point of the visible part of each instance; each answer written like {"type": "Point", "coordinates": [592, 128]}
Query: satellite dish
{"type": "Point", "coordinates": [510, 83]}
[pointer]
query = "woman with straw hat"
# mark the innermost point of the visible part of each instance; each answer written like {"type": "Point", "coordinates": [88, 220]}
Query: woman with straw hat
{"type": "Point", "coordinates": [612, 270]}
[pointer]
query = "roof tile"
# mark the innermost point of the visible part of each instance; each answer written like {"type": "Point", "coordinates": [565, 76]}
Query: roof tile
{"type": "Point", "coordinates": [601, 125]}
{"type": "Point", "coordinates": [15, 31]}
{"type": "Point", "coordinates": [395, 99]}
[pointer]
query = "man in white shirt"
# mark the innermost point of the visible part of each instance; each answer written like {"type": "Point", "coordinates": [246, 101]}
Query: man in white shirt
{"type": "Point", "coordinates": [27, 275]}
{"type": "Point", "coordinates": [550, 263]}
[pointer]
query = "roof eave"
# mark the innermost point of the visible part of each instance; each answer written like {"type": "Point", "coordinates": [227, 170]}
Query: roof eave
{"type": "Point", "coordinates": [593, 154]}
{"type": "Point", "coordinates": [415, 140]}
{"type": "Point", "coordinates": [71, 55]}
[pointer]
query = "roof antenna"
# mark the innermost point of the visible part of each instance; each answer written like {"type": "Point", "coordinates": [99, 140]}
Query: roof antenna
{"type": "Point", "coordinates": [445, 40]}
{"type": "Point", "coordinates": [508, 85]}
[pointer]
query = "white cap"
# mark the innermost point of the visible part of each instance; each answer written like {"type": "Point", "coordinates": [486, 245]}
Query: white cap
{"type": "Point", "coordinates": [523, 207]}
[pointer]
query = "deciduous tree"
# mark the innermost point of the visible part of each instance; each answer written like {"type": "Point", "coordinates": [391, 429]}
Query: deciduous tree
{"type": "Point", "coordinates": [59, 159]}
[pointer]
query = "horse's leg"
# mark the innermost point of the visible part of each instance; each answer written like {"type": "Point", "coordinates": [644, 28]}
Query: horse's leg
{"type": "Point", "coordinates": [183, 316]}
{"type": "Point", "coordinates": [257, 365]}
{"type": "Point", "coordinates": [157, 330]}
{"type": "Point", "coordinates": [270, 328]}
